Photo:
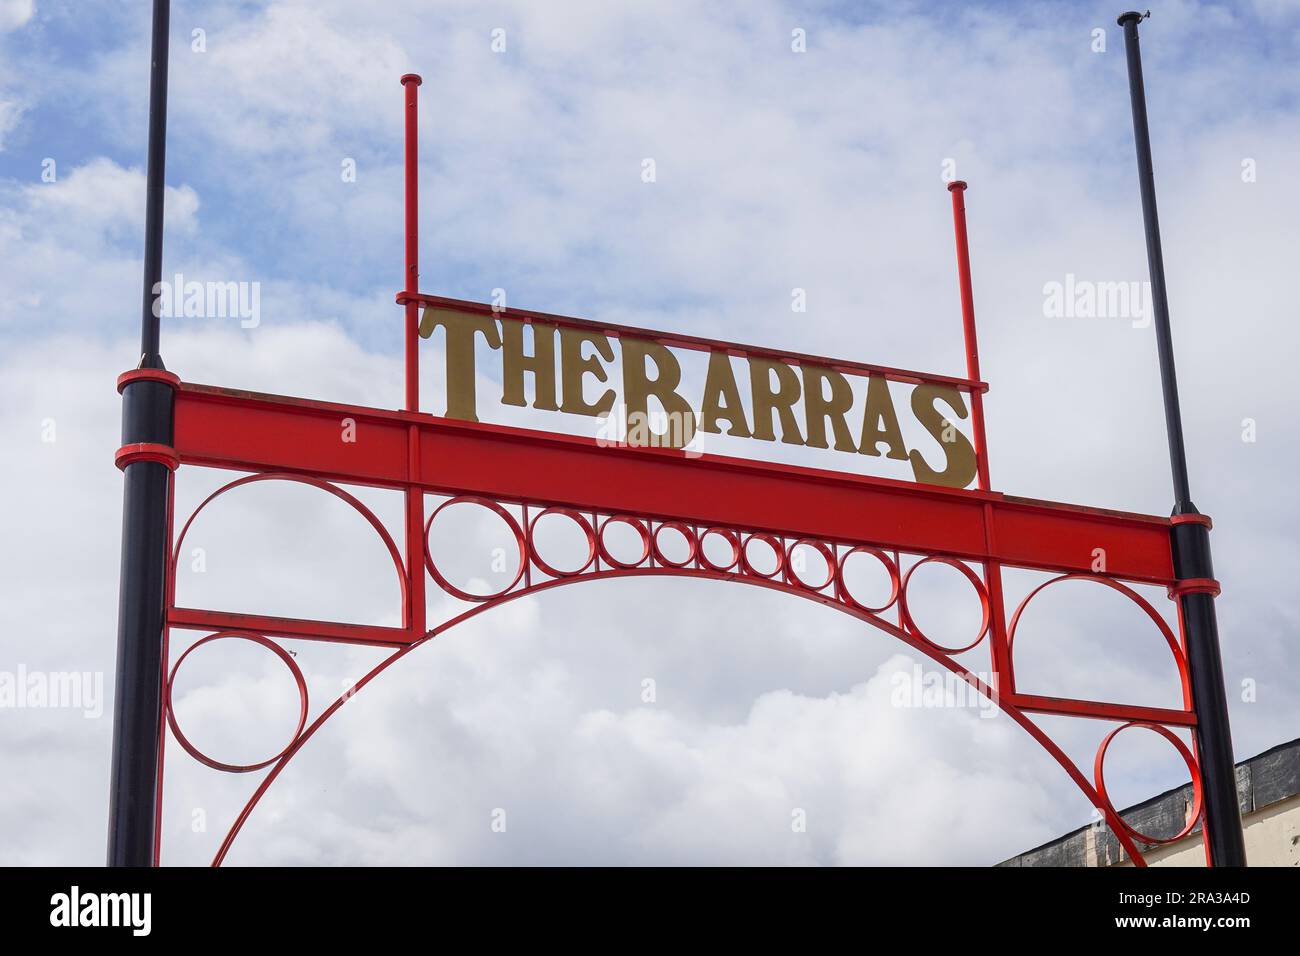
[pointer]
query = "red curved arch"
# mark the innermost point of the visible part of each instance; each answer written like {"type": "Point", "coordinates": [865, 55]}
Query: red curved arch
{"type": "Point", "coordinates": [1180, 660]}
{"type": "Point", "coordinates": [334, 490]}
{"type": "Point", "coordinates": [1116, 824]}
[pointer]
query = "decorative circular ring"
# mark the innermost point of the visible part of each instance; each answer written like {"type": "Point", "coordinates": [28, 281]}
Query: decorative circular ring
{"type": "Point", "coordinates": [692, 542]}
{"type": "Point", "coordinates": [580, 520]}
{"type": "Point", "coordinates": [747, 568]}
{"type": "Point", "coordinates": [608, 557]}
{"type": "Point", "coordinates": [500, 512]}
{"type": "Point", "coordinates": [170, 379]}
{"type": "Point", "coordinates": [1175, 648]}
{"type": "Point", "coordinates": [279, 652]}
{"type": "Point", "coordinates": [842, 586]}
{"type": "Point", "coordinates": [1195, 771]}
{"type": "Point", "coordinates": [732, 538]}
{"type": "Point", "coordinates": [972, 577]}
{"type": "Point", "coordinates": [1208, 586]}
{"type": "Point", "coordinates": [147, 451]}
{"type": "Point", "coordinates": [822, 548]}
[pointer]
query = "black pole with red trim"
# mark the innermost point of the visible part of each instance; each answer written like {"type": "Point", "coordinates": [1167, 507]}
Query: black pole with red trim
{"type": "Point", "coordinates": [1190, 537]}
{"type": "Point", "coordinates": [147, 402]}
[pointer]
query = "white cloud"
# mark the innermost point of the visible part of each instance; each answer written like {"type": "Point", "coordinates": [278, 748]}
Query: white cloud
{"type": "Point", "coordinates": [104, 197]}
{"type": "Point", "coordinates": [15, 13]}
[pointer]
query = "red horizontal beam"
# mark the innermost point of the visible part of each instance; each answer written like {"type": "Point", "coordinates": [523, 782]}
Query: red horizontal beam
{"type": "Point", "coordinates": [693, 342]}
{"type": "Point", "coordinates": [289, 627]}
{"type": "Point", "coordinates": [1100, 710]}
{"type": "Point", "coordinates": [252, 432]}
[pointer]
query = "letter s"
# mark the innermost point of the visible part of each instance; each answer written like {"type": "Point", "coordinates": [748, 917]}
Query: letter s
{"type": "Point", "coordinates": [960, 456]}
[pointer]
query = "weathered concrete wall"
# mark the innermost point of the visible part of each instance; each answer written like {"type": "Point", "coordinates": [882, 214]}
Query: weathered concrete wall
{"type": "Point", "coordinates": [1272, 839]}
{"type": "Point", "coordinates": [1268, 791]}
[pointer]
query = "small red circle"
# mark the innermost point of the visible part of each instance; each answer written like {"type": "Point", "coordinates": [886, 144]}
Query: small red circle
{"type": "Point", "coordinates": [692, 544]}
{"type": "Point", "coordinates": [732, 539]}
{"type": "Point", "coordinates": [581, 521]}
{"type": "Point", "coordinates": [511, 523]}
{"type": "Point", "coordinates": [1097, 771]}
{"type": "Point", "coordinates": [639, 526]}
{"type": "Point", "coordinates": [972, 577]}
{"type": "Point", "coordinates": [822, 548]}
{"type": "Point", "coordinates": [279, 652]}
{"type": "Point", "coordinates": [842, 587]}
{"type": "Point", "coordinates": [777, 550]}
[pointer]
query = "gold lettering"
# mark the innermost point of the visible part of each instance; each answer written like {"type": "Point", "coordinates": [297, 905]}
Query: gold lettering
{"type": "Point", "coordinates": [514, 363]}
{"type": "Point", "coordinates": [460, 326]}
{"type": "Point", "coordinates": [766, 401]}
{"type": "Point", "coordinates": [960, 466]}
{"type": "Point", "coordinates": [573, 366]}
{"type": "Point", "coordinates": [880, 422]}
{"type": "Point", "coordinates": [638, 389]}
{"type": "Point", "coordinates": [818, 408]}
{"type": "Point", "coordinates": [720, 386]}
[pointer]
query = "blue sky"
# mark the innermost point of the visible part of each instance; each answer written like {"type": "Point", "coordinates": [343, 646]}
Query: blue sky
{"type": "Point", "coordinates": [776, 170]}
{"type": "Point", "coordinates": [83, 95]}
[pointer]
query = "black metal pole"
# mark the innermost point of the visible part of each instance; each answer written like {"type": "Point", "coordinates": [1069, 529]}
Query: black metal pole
{"type": "Point", "coordinates": [146, 418]}
{"type": "Point", "coordinates": [1190, 536]}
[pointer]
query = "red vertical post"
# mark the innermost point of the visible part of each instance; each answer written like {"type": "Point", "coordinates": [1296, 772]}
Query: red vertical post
{"type": "Point", "coordinates": [411, 281]}
{"type": "Point", "coordinates": [958, 190]}
{"type": "Point", "coordinates": [1004, 680]}
{"type": "Point", "coordinates": [414, 622]}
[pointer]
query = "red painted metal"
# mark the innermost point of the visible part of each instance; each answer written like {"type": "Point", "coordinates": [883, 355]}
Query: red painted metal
{"type": "Point", "coordinates": [413, 612]}
{"type": "Point", "coordinates": [659, 492]}
{"type": "Point", "coordinates": [636, 525]}
{"type": "Point", "coordinates": [891, 568]}
{"type": "Point", "coordinates": [981, 592]}
{"type": "Point", "coordinates": [1193, 817]}
{"type": "Point", "coordinates": [147, 451]}
{"type": "Point", "coordinates": [958, 191]}
{"type": "Point", "coordinates": [1195, 586]}
{"type": "Point", "coordinates": [411, 274]}
{"type": "Point", "coordinates": [588, 532]}
{"type": "Point", "coordinates": [325, 486]}
{"type": "Point", "coordinates": [501, 513]}
{"type": "Point", "coordinates": [246, 431]}
{"type": "Point", "coordinates": [792, 571]}
{"type": "Point", "coordinates": [294, 670]}
{"type": "Point", "coordinates": [923, 646]}
{"type": "Point", "coordinates": [1084, 708]}
{"type": "Point", "coordinates": [147, 375]}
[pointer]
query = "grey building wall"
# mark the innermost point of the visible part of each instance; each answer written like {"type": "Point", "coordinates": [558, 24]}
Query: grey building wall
{"type": "Point", "coordinates": [1268, 791]}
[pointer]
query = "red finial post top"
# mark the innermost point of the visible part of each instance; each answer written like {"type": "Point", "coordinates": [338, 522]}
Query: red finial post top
{"type": "Point", "coordinates": [411, 78]}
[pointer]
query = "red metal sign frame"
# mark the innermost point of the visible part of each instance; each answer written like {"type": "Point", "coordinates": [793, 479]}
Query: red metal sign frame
{"type": "Point", "coordinates": [658, 491]}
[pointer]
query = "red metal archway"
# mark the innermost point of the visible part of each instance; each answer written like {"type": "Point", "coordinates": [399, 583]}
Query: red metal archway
{"type": "Point", "coordinates": [660, 492]}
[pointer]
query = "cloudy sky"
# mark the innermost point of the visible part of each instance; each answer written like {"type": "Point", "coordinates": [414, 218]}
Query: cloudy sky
{"type": "Point", "coordinates": [775, 170]}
